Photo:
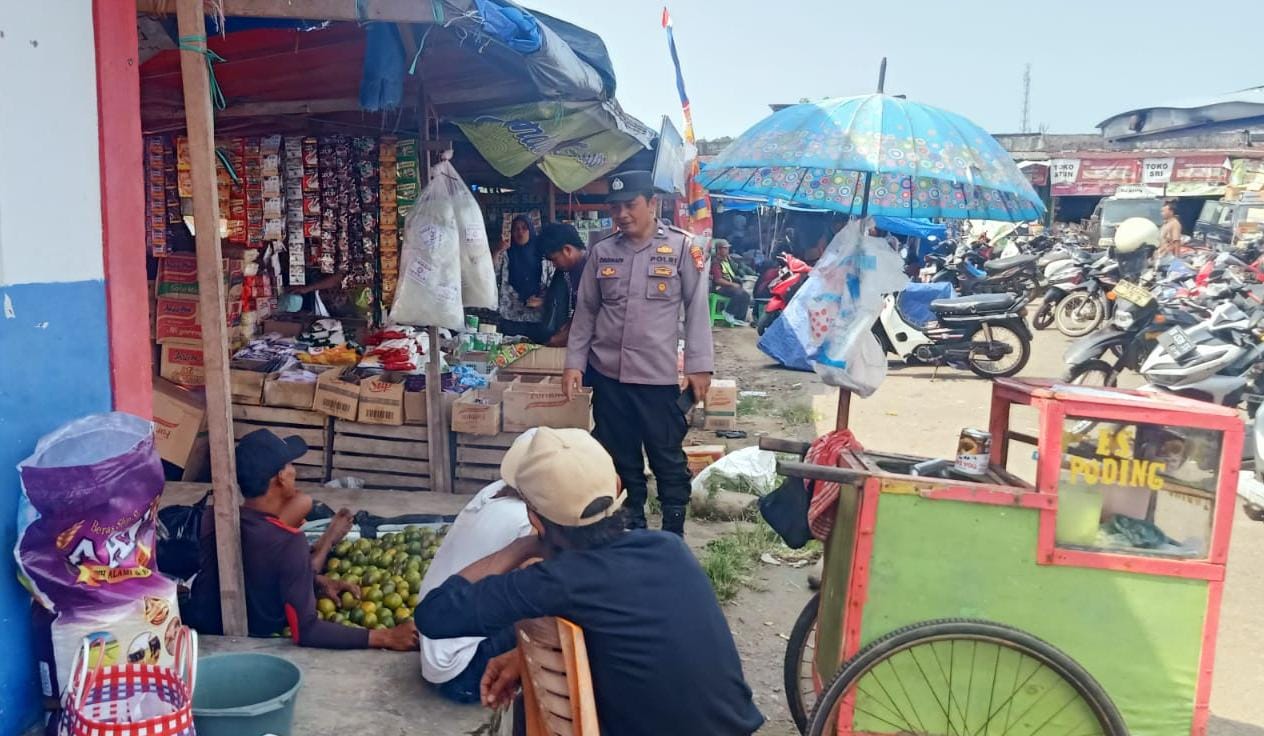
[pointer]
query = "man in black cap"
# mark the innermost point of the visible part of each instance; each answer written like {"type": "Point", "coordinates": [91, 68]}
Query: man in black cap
{"type": "Point", "coordinates": [624, 335]}
{"type": "Point", "coordinates": [278, 563]}
{"type": "Point", "coordinates": [562, 245]}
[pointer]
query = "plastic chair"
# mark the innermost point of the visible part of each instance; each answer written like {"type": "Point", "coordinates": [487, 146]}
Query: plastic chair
{"type": "Point", "coordinates": [718, 304]}
{"type": "Point", "coordinates": [557, 690]}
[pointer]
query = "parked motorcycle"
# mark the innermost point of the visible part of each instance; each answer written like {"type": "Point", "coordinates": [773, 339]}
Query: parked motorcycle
{"type": "Point", "coordinates": [1138, 321]}
{"type": "Point", "coordinates": [1086, 308]}
{"type": "Point", "coordinates": [1220, 360]}
{"type": "Point", "coordinates": [1059, 278]}
{"type": "Point", "coordinates": [790, 277]}
{"type": "Point", "coordinates": [970, 273]}
{"type": "Point", "coordinates": [985, 333]}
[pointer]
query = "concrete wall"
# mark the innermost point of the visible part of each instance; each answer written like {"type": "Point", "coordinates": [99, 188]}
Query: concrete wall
{"type": "Point", "coordinates": [54, 354]}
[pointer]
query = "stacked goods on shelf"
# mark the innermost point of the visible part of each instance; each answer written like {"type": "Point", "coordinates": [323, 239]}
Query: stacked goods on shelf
{"type": "Point", "coordinates": [312, 217]}
{"type": "Point", "coordinates": [295, 238]}
{"type": "Point", "coordinates": [407, 177]}
{"type": "Point", "coordinates": [159, 178]}
{"type": "Point", "coordinates": [361, 263]}
{"type": "Point", "coordinates": [177, 320]}
{"type": "Point", "coordinates": [334, 160]}
{"type": "Point", "coordinates": [313, 427]}
{"type": "Point", "coordinates": [388, 216]}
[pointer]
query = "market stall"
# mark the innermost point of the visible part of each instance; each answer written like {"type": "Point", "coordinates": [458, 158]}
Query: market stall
{"type": "Point", "coordinates": [279, 216]}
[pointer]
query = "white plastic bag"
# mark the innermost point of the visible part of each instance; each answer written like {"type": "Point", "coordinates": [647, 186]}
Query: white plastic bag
{"type": "Point", "coordinates": [478, 275]}
{"type": "Point", "coordinates": [833, 314]}
{"type": "Point", "coordinates": [429, 290]}
{"type": "Point", "coordinates": [752, 464]}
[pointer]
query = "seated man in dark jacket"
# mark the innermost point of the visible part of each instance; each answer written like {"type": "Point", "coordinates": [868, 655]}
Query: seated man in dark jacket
{"type": "Point", "coordinates": [662, 658]}
{"type": "Point", "coordinates": [276, 559]}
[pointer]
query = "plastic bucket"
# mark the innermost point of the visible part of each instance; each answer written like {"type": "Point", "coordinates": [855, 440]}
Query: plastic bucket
{"type": "Point", "coordinates": [245, 694]}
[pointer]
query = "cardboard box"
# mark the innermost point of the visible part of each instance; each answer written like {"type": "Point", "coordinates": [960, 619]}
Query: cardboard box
{"type": "Point", "coordinates": [180, 361]}
{"type": "Point", "coordinates": [532, 401]}
{"type": "Point", "coordinates": [477, 412]}
{"type": "Point", "coordinates": [721, 404]}
{"type": "Point", "coordinates": [700, 456]}
{"type": "Point", "coordinates": [382, 400]}
{"type": "Point", "coordinates": [290, 394]}
{"type": "Point", "coordinates": [338, 396]}
{"type": "Point", "coordinates": [246, 378]}
{"type": "Point", "coordinates": [180, 428]}
{"type": "Point", "coordinates": [415, 404]}
{"type": "Point", "coordinates": [541, 362]}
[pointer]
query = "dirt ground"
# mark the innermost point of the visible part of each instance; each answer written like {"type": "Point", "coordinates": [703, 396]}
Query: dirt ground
{"type": "Point", "coordinates": [346, 692]}
{"type": "Point", "coordinates": [913, 413]}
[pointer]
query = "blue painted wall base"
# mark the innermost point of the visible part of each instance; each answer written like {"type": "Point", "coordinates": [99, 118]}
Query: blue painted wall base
{"type": "Point", "coordinates": [54, 367]}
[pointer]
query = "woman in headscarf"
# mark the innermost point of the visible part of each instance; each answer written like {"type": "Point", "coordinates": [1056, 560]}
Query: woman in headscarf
{"type": "Point", "coordinates": [523, 277]}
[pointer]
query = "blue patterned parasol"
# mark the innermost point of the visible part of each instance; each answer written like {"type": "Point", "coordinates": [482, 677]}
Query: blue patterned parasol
{"type": "Point", "coordinates": [913, 160]}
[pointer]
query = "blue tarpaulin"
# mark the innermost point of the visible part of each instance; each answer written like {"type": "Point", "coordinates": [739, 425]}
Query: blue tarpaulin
{"type": "Point", "coordinates": [913, 303]}
{"type": "Point", "coordinates": [779, 343]}
{"type": "Point", "coordinates": [911, 227]}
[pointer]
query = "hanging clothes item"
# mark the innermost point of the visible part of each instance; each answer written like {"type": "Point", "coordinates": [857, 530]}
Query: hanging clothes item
{"type": "Point", "coordinates": [826, 450]}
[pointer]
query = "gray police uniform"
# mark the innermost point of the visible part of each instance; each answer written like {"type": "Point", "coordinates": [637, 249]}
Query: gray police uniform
{"type": "Point", "coordinates": [624, 334]}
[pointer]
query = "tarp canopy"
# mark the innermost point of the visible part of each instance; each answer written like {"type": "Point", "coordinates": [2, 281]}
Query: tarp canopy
{"type": "Point", "coordinates": [477, 58]}
{"type": "Point", "coordinates": [1232, 111]}
{"type": "Point", "coordinates": [910, 227]}
{"type": "Point", "coordinates": [574, 142]}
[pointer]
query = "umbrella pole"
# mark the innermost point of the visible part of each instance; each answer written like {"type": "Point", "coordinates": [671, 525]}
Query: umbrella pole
{"type": "Point", "coordinates": [844, 396]}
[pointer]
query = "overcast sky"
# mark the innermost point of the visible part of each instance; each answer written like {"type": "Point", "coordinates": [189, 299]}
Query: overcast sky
{"type": "Point", "coordinates": [1090, 58]}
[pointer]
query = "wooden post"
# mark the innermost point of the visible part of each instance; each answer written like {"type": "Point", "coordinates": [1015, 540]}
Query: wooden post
{"type": "Point", "coordinates": [436, 420]}
{"type": "Point", "coordinates": [552, 201]}
{"type": "Point", "coordinates": [219, 420]}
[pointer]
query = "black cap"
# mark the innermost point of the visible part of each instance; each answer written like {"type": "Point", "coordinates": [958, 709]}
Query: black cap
{"type": "Point", "coordinates": [555, 235]}
{"type": "Point", "coordinates": [260, 456]}
{"type": "Point", "coordinates": [625, 185]}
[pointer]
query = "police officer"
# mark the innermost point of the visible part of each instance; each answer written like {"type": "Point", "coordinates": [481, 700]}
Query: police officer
{"type": "Point", "coordinates": [623, 343]}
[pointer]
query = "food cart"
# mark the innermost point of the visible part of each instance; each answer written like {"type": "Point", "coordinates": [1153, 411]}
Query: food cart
{"type": "Point", "coordinates": [1085, 603]}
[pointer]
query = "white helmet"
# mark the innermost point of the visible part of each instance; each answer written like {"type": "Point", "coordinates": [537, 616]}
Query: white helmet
{"type": "Point", "coordinates": [1134, 233]}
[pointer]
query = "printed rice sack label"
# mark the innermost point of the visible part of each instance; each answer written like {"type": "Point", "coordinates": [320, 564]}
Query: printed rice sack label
{"type": "Point", "coordinates": [86, 540]}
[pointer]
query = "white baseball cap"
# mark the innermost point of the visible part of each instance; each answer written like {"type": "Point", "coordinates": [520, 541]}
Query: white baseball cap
{"type": "Point", "coordinates": [563, 474]}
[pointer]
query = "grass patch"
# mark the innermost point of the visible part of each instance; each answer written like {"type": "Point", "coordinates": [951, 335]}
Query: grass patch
{"type": "Point", "coordinates": [729, 560]}
{"type": "Point", "coordinates": [796, 414]}
{"type": "Point", "coordinates": [749, 405]}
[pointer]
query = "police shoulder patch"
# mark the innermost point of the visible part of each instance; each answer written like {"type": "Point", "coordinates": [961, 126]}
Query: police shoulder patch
{"type": "Point", "coordinates": [699, 258]}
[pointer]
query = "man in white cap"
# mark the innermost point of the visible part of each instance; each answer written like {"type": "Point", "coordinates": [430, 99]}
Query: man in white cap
{"type": "Point", "coordinates": [491, 520]}
{"type": "Point", "coordinates": [662, 658]}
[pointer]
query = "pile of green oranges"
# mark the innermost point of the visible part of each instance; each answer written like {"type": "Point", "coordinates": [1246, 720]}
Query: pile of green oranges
{"type": "Point", "coordinates": [388, 570]}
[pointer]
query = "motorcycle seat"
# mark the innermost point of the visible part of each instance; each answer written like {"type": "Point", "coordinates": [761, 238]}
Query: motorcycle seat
{"type": "Point", "coordinates": [1003, 264]}
{"type": "Point", "coordinates": [975, 304]}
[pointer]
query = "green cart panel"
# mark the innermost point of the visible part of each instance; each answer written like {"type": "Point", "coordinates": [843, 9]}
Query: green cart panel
{"type": "Point", "coordinates": [1140, 636]}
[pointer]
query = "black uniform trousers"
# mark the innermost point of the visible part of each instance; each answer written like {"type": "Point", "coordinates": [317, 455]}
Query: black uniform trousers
{"type": "Point", "coordinates": [634, 418]}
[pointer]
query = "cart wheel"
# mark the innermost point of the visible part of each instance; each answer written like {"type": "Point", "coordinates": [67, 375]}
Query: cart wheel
{"type": "Point", "coordinates": [958, 676]}
{"type": "Point", "coordinates": [800, 682]}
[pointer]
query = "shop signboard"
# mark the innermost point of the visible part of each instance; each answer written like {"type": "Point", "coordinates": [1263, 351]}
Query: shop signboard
{"type": "Point", "coordinates": [1037, 172]}
{"type": "Point", "coordinates": [1199, 176]}
{"type": "Point", "coordinates": [1093, 177]}
{"type": "Point", "coordinates": [1157, 170]}
{"type": "Point", "coordinates": [1062, 173]}
{"type": "Point", "coordinates": [1247, 174]}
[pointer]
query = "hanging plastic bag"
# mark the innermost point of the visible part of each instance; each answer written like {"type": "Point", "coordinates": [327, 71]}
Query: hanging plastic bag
{"type": "Point", "coordinates": [833, 314]}
{"type": "Point", "coordinates": [478, 275]}
{"type": "Point", "coordinates": [429, 289]}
